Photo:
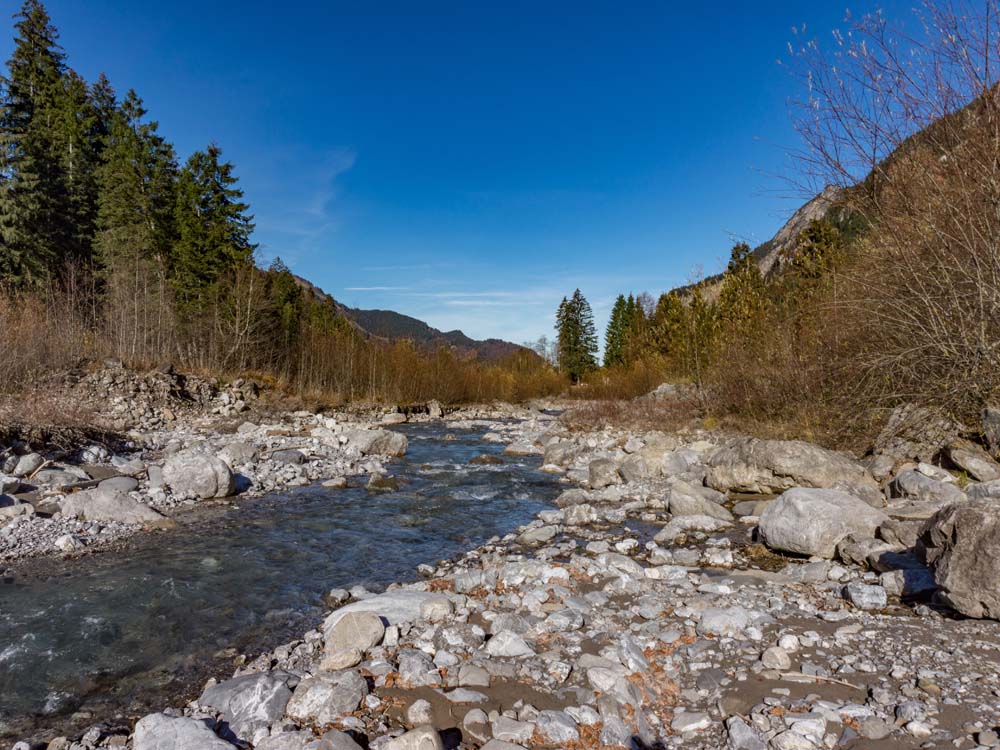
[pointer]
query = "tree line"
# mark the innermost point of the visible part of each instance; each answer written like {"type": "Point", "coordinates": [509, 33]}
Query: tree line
{"type": "Point", "coordinates": [106, 232]}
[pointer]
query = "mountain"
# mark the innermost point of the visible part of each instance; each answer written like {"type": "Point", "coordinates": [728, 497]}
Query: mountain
{"type": "Point", "coordinates": [394, 326]}
{"type": "Point", "coordinates": [774, 255]}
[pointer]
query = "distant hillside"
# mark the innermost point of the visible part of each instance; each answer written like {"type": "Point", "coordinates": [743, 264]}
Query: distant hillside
{"type": "Point", "coordinates": [394, 326]}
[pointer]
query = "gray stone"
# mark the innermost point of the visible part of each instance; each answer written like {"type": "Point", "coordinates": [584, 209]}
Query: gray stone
{"type": "Point", "coordinates": [991, 428]}
{"type": "Point", "coordinates": [974, 461]}
{"type": "Point", "coordinates": [685, 500]}
{"type": "Point", "coordinates": [162, 732]}
{"type": "Point", "coordinates": [603, 472]}
{"type": "Point", "coordinates": [122, 484]}
{"type": "Point", "coordinates": [509, 644]}
{"type": "Point", "coordinates": [108, 505]}
{"type": "Point", "coordinates": [874, 728]}
{"type": "Point", "coordinates": [962, 543]}
{"type": "Point", "coordinates": [771, 466]}
{"type": "Point", "coordinates": [327, 696]}
{"type": "Point", "coordinates": [249, 702]}
{"type": "Point", "coordinates": [238, 454]}
{"type": "Point", "coordinates": [864, 596]}
{"type": "Point", "coordinates": [814, 521]}
{"type": "Point", "coordinates": [27, 465]}
{"type": "Point", "coordinates": [421, 738]}
{"type": "Point", "coordinates": [556, 727]}
{"type": "Point", "coordinates": [776, 658]}
{"type": "Point", "coordinates": [913, 485]}
{"type": "Point", "coordinates": [11, 507]}
{"type": "Point", "coordinates": [377, 442]}
{"type": "Point", "coordinates": [727, 621]}
{"type": "Point", "coordinates": [394, 607]}
{"type": "Point", "coordinates": [289, 456]}
{"type": "Point", "coordinates": [690, 721]}
{"type": "Point", "coordinates": [539, 536]}
{"type": "Point", "coordinates": [197, 475]}
{"type": "Point", "coordinates": [742, 736]}
{"type": "Point", "coordinates": [416, 669]}
{"type": "Point", "coordinates": [360, 630]}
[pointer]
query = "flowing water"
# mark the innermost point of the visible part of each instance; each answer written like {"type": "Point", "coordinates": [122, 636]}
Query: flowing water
{"type": "Point", "coordinates": [126, 632]}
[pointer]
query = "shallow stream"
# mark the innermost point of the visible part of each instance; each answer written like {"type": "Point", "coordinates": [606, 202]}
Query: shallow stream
{"type": "Point", "coordinates": [122, 633]}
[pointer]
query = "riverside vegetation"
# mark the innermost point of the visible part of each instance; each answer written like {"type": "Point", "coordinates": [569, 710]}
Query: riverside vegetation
{"type": "Point", "coordinates": [702, 581]}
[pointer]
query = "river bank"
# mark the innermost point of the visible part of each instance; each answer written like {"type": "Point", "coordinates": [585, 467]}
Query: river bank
{"type": "Point", "coordinates": [687, 590]}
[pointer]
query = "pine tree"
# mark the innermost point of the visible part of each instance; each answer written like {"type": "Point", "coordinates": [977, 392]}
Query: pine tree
{"type": "Point", "coordinates": [577, 344]}
{"type": "Point", "coordinates": [614, 336]}
{"type": "Point", "coordinates": [213, 226]}
{"type": "Point", "coordinates": [34, 222]}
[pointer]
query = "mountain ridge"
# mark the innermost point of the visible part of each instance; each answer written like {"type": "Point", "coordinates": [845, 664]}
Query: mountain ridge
{"type": "Point", "coordinates": [390, 325]}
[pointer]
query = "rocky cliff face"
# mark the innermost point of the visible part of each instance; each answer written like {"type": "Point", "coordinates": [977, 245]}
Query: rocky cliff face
{"type": "Point", "coordinates": [773, 256]}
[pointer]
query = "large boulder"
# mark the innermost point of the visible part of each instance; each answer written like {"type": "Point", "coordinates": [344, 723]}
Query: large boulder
{"type": "Point", "coordinates": [105, 504]}
{"type": "Point", "coordinates": [920, 496]}
{"type": "Point", "coordinates": [327, 697]}
{"type": "Point", "coordinates": [393, 607]}
{"type": "Point", "coordinates": [962, 546]}
{"type": "Point", "coordinates": [974, 461]}
{"type": "Point", "coordinates": [193, 474]}
{"type": "Point", "coordinates": [772, 466]}
{"type": "Point", "coordinates": [249, 702]}
{"type": "Point", "coordinates": [377, 442]}
{"type": "Point", "coordinates": [689, 500]}
{"type": "Point", "coordinates": [811, 521]}
{"type": "Point", "coordinates": [916, 433]}
{"type": "Point", "coordinates": [162, 732]}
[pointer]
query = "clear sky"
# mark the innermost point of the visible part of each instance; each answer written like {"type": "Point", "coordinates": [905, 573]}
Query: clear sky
{"type": "Point", "coordinates": [469, 163]}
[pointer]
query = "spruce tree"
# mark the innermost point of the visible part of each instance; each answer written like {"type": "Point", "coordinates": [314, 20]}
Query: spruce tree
{"type": "Point", "coordinates": [34, 222]}
{"type": "Point", "coordinates": [614, 336]}
{"type": "Point", "coordinates": [577, 337]}
{"type": "Point", "coordinates": [78, 146]}
{"type": "Point", "coordinates": [213, 226]}
{"type": "Point", "coordinates": [135, 191]}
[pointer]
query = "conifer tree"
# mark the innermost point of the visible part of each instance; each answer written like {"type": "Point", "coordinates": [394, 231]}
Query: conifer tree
{"type": "Point", "coordinates": [78, 145]}
{"type": "Point", "coordinates": [577, 337]}
{"type": "Point", "coordinates": [135, 190]}
{"type": "Point", "coordinates": [33, 222]}
{"type": "Point", "coordinates": [614, 336]}
{"type": "Point", "coordinates": [213, 226]}
{"type": "Point", "coordinates": [668, 327]}
{"type": "Point", "coordinates": [743, 295]}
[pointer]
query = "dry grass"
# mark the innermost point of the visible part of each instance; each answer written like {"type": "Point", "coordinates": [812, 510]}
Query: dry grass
{"type": "Point", "coordinates": [637, 414]}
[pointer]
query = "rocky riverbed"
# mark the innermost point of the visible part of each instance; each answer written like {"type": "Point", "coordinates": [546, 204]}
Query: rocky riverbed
{"type": "Point", "coordinates": [686, 590]}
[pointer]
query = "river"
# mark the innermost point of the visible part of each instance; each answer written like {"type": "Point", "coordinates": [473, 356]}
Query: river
{"type": "Point", "coordinates": [123, 633]}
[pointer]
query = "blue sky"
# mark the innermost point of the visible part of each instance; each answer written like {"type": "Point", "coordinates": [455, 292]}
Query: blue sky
{"type": "Point", "coordinates": [470, 163]}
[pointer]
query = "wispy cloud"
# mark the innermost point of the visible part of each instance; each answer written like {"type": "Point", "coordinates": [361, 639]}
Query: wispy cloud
{"type": "Point", "coordinates": [482, 303]}
{"type": "Point", "coordinates": [375, 288]}
{"type": "Point", "coordinates": [294, 218]}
